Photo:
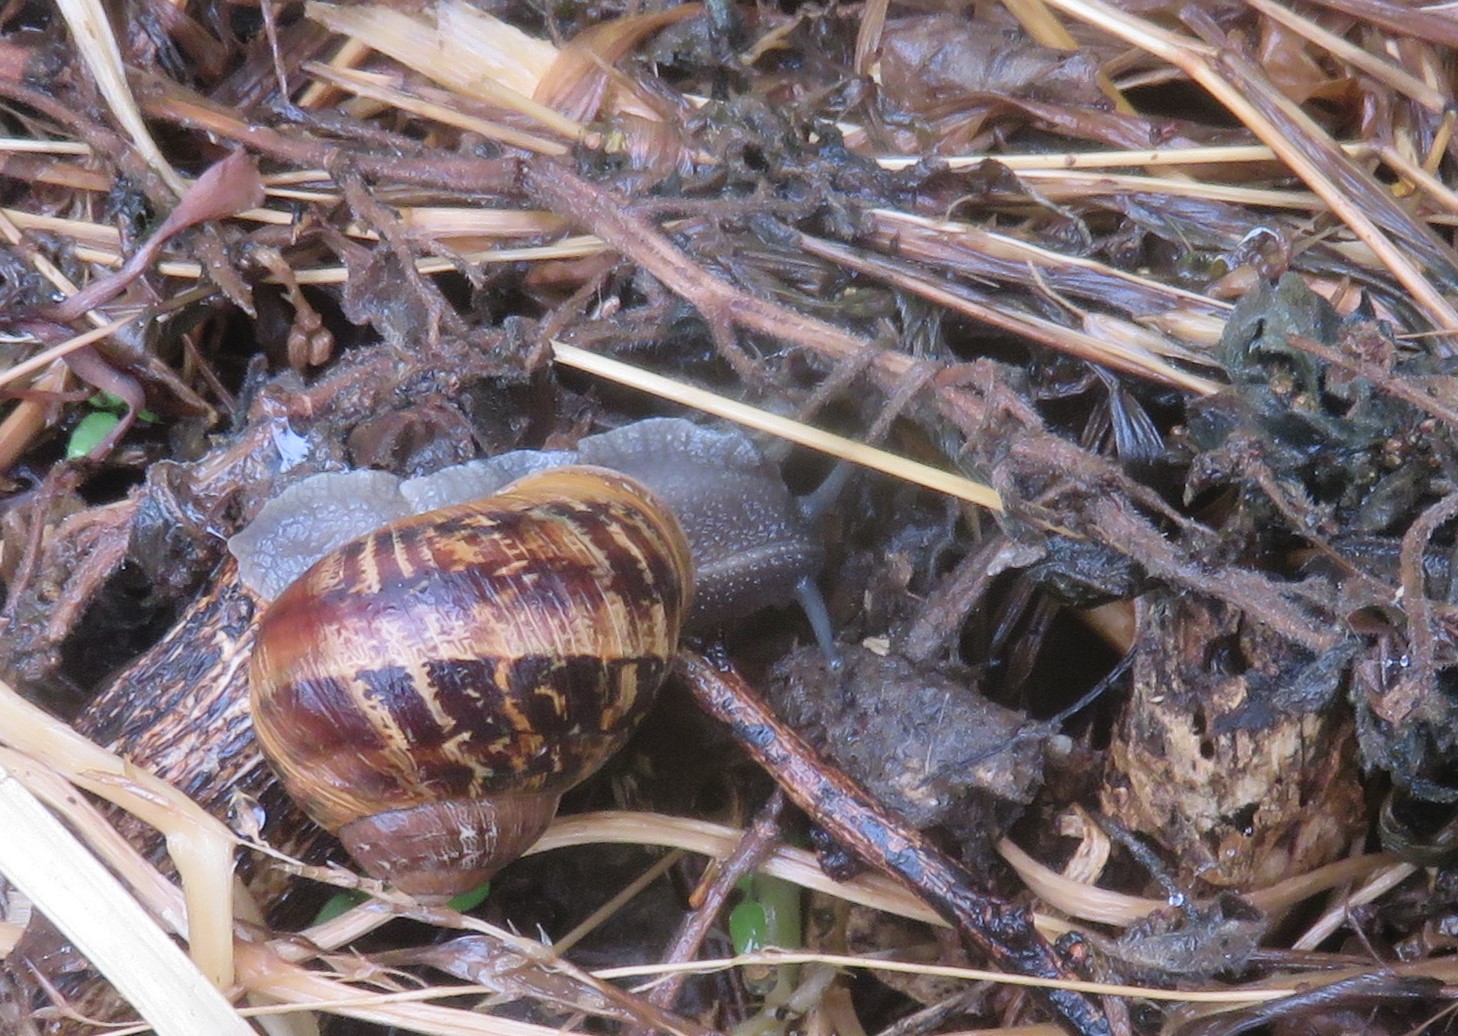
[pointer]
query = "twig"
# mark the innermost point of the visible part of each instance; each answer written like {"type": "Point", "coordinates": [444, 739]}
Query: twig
{"type": "Point", "coordinates": [166, 100]}
{"type": "Point", "coordinates": [1365, 990]}
{"type": "Point", "coordinates": [1421, 678]}
{"type": "Point", "coordinates": [990, 926]}
{"type": "Point", "coordinates": [947, 606]}
{"type": "Point", "coordinates": [1242, 587]}
{"type": "Point", "coordinates": [757, 843]}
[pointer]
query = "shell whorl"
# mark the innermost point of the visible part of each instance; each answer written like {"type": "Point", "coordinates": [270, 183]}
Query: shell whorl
{"type": "Point", "coordinates": [505, 647]}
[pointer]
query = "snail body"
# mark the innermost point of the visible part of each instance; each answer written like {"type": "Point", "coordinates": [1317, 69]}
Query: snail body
{"type": "Point", "coordinates": [428, 690]}
{"type": "Point", "coordinates": [752, 545]}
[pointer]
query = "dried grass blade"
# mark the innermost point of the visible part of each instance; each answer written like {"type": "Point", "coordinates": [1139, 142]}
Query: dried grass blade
{"type": "Point", "coordinates": [468, 52]}
{"type": "Point", "coordinates": [1301, 144]}
{"type": "Point", "coordinates": [349, 54]}
{"type": "Point", "coordinates": [17, 145]}
{"type": "Point", "coordinates": [1235, 997]}
{"type": "Point", "coordinates": [452, 221]}
{"type": "Point", "coordinates": [304, 990]}
{"type": "Point", "coordinates": [29, 416]}
{"type": "Point", "coordinates": [1395, 76]}
{"type": "Point", "coordinates": [54, 172]}
{"type": "Point", "coordinates": [1349, 189]}
{"type": "Point", "coordinates": [1040, 24]}
{"type": "Point", "coordinates": [94, 234]}
{"type": "Point", "coordinates": [893, 227]}
{"type": "Point", "coordinates": [97, 913]}
{"type": "Point", "coordinates": [489, 46]}
{"type": "Point", "coordinates": [868, 36]}
{"type": "Point", "coordinates": [612, 827]}
{"type": "Point", "coordinates": [794, 431]}
{"type": "Point", "coordinates": [60, 349]}
{"type": "Point", "coordinates": [375, 88]}
{"type": "Point", "coordinates": [1058, 185]}
{"type": "Point", "coordinates": [97, 44]}
{"type": "Point", "coordinates": [577, 80]}
{"type": "Point", "coordinates": [1133, 361]}
{"type": "Point", "coordinates": [575, 247]}
{"type": "Point", "coordinates": [1214, 154]}
{"type": "Point", "coordinates": [1405, 167]}
{"type": "Point", "coordinates": [1340, 912]}
{"type": "Point", "coordinates": [1405, 19]}
{"type": "Point", "coordinates": [200, 846]}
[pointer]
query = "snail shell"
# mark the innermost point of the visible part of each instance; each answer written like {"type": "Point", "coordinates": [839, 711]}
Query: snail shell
{"type": "Point", "coordinates": [429, 690]}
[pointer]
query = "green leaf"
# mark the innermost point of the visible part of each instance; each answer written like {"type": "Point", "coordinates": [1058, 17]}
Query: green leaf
{"type": "Point", "coordinates": [468, 901]}
{"type": "Point", "coordinates": [341, 902]}
{"type": "Point", "coordinates": [115, 404]}
{"type": "Point", "coordinates": [780, 901]}
{"type": "Point", "coordinates": [748, 927]}
{"type": "Point", "coordinates": [89, 432]}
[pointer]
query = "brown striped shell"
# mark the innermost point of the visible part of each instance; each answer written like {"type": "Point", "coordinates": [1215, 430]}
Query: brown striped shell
{"type": "Point", "coordinates": [429, 690]}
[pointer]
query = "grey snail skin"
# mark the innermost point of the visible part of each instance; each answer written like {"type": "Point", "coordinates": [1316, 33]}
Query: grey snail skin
{"type": "Point", "coordinates": [445, 656]}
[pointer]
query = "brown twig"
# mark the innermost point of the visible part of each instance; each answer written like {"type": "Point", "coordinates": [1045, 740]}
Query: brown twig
{"type": "Point", "coordinates": [1230, 583]}
{"type": "Point", "coordinates": [991, 927]}
{"type": "Point", "coordinates": [163, 99]}
{"type": "Point", "coordinates": [1420, 638]}
{"type": "Point", "coordinates": [758, 841]}
{"type": "Point", "coordinates": [946, 608]}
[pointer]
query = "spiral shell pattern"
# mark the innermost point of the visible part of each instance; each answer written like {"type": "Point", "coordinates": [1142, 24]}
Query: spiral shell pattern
{"type": "Point", "coordinates": [507, 646]}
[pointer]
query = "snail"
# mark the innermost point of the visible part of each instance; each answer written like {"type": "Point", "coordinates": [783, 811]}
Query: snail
{"type": "Point", "coordinates": [445, 656]}
{"type": "Point", "coordinates": [753, 544]}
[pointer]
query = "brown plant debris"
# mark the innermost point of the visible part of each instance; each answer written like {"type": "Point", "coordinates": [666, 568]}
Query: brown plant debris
{"type": "Point", "coordinates": [1169, 289]}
